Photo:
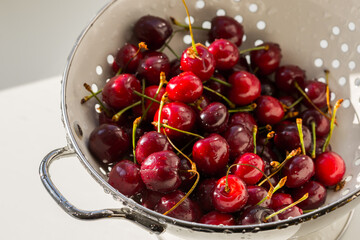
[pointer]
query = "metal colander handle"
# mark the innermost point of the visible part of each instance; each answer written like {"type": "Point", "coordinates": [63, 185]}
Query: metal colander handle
{"type": "Point", "coordinates": [126, 213]}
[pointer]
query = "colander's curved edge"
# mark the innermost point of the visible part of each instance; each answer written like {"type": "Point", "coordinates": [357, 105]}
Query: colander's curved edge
{"type": "Point", "coordinates": [162, 218]}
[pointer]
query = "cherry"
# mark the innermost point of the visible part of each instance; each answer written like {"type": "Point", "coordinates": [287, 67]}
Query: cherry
{"type": "Point", "coordinates": [317, 195]}
{"type": "Point", "coordinates": [267, 86]}
{"type": "Point", "coordinates": [186, 88]}
{"type": "Point", "coordinates": [245, 88]}
{"type": "Point", "coordinates": [287, 137]}
{"type": "Point", "coordinates": [211, 154]}
{"type": "Point", "coordinates": [329, 168]}
{"type": "Point", "coordinates": [319, 146]}
{"type": "Point", "coordinates": [150, 91]}
{"type": "Point", "coordinates": [217, 87]}
{"type": "Point", "coordinates": [104, 118]}
{"type": "Point", "coordinates": [269, 110]}
{"type": "Point", "coordinates": [187, 210]}
{"type": "Point", "coordinates": [200, 104]}
{"type": "Point", "coordinates": [227, 28]}
{"type": "Point", "coordinates": [152, 64]}
{"type": "Point", "coordinates": [267, 154]}
{"type": "Point", "coordinates": [203, 194]}
{"type": "Point", "coordinates": [150, 199]}
{"type": "Point", "coordinates": [214, 117]}
{"type": "Point", "coordinates": [267, 61]}
{"type": "Point", "coordinates": [125, 177]}
{"type": "Point", "coordinates": [149, 143]}
{"type": "Point", "coordinates": [230, 195]}
{"type": "Point", "coordinates": [241, 65]}
{"type": "Point", "coordinates": [127, 57]}
{"type": "Point", "coordinates": [177, 115]}
{"type": "Point", "coordinates": [316, 91]}
{"type": "Point", "coordinates": [119, 91]}
{"type": "Point", "coordinates": [298, 170]}
{"type": "Point", "coordinates": [153, 31]}
{"type": "Point", "coordinates": [288, 213]}
{"type": "Point", "coordinates": [187, 178]}
{"type": "Point", "coordinates": [286, 76]}
{"type": "Point", "coordinates": [289, 102]}
{"type": "Point", "coordinates": [248, 174]}
{"type": "Point", "coordinates": [243, 118]}
{"type": "Point", "coordinates": [256, 215]}
{"type": "Point", "coordinates": [202, 63]}
{"type": "Point", "coordinates": [256, 194]}
{"type": "Point", "coordinates": [108, 143]}
{"type": "Point", "coordinates": [226, 53]}
{"type": "Point", "coordinates": [240, 140]}
{"type": "Point", "coordinates": [218, 218]}
{"type": "Point", "coordinates": [160, 171]}
{"type": "Point", "coordinates": [174, 68]}
{"type": "Point", "coordinates": [280, 199]}
{"type": "Point", "coordinates": [321, 122]}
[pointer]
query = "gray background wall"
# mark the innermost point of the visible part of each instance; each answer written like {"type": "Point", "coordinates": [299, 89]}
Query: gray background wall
{"type": "Point", "coordinates": [36, 36]}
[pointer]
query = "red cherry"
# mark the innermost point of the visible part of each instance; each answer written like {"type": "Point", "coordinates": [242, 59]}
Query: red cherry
{"type": "Point", "coordinates": [218, 218]}
{"type": "Point", "coordinates": [269, 110]}
{"type": "Point", "coordinates": [286, 76]}
{"type": "Point", "coordinates": [256, 215]}
{"type": "Point", "coordinates": [214, 117]}
{"type": "Point", "coordinates": [203, 194]}
{"type": "Point", "coordinates": [226, 54]}
{"type": "Point", "coordinates": [289, 213]}
{"type": "Point", "coordinates": [119, 91]}
{"type": "Point", "coordinates": [232, 199]}
{"type": "Point", "coordinates": [150, 91]}
{"type": "Point", "coordinates": [321, 122]}
{"type": "Point", "coordinates": [125, 58]}
{"type": "Point", "coordinates": [245, 88]}
{"type": "Point", "coordinates": [202, 65]}
{"type": "Point", "coordinates": [316, 91]}
{"type": "Point", "coordinates": [227, 28]}
{"type": "Point", "coordinates": [243, 118]}
{"type": "Point", "coordinates": [211, 154]}
{"type": "Point", "coordinates": [329, 168]}
{"type": "Point", "coordinates": [287, 137]}
{"type": "Point", "coordinates": [256, 194]}
{"type": "Point", "coordinates": [125, 177]}
{"type": "Point", "coordinates": [240, 140]}
{"type": "Point", "coordinates": [248, 174]}
{"type": "Point", "coordinates": [280, 199]}
{"type": "Point", "coordinates": [152, 64]}
{"type": "Point", "coordinates": [298, 170]}
{"type": "Point", "coordinates": [316, 198]}
{"type": "Point", "coordinates": [186, 88]}
{"type": "Point", "coordinates": [160, 171]}
{"type": "Point", "coordinates": [150, 199]}
{"type": "Point", "coordinates": [267, 61]}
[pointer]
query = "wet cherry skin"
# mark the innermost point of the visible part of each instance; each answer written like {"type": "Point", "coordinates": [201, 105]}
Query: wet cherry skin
{"type": "Point", "coordinates": [152, 64]}
{"type": "Point", "coordinates": [298, 170]}
{"type": "Point", "coordinates": [322, 124]}
{"type": "Point", "coordinates": [266, 61]}
{"type": "Point", "coordinates": [240, 140]}
{"type": "Point", "coordinates": [204, 192]}
{"type": "Point", "coordinates": [126, 59]}
{"type": "Point", "coordinates": [269, 110]}
{"type": "Point", "coordinates": [214, 117]}
{"type": "Point", "coordinates": [226, 53]}
{"type": "Point", "coordinates": [286, 76]}
{"type": "Point", "coordinates": [329, 168]}
{"type": "Point", "coordinates": [248, 174]}
{"type": "Point", "coordinates": [243, 118]}
{"type": "Point", "coordinates": [218, 218]}
{"type": "Point", "coordinates": [256, 194]}
{"type": "Point", "coordinates": [280, 199]}
{"type": "Point", "coordinates": [287, 137]}
{"type": "Point", "coordinates": [227, 28]}
{"type": "Point", "coordinates": [316, 91]}
{"type": "Point", "coordinates": [186, 88]}
{"type": "Point", "coordinates": [245, 89]}
{"type": "Point", "coordinates": [290, 212]}
{"type": "Point", "coordinates": [317, 195]}
{"type": "Point", "coordinates": [256, 215]}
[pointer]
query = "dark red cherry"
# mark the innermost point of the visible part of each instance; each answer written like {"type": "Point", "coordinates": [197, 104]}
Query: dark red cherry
{"type": "Point", "coordinates": [322, 124]}
{"type": "Point", "coordinates": [214, 117]}
{"type": "Point", "coordinates": [126, 59]}
{"type": "Point", "coordinates": [267, 86]}
{"type": "Point", "coordinates": [286, 76]}
{"type": "Point", "coordinates": [211, 154]}
{"type": "Point", "coordinates": [108, 143]}
{"type": "Point", "coordinates": [287, 137]}
{"type": "Point", "coordinates": [231, 199]}
{"type": "Point", "coordinates": [269, 110]}
{"type": "Point", "coordinates": [160, 171]}
{"type": "Point", "coordinates": [174, 68]}
{"type": "Point", "coordinates": [186, 88]}
{"type": "Point", "coordinates": [289, 213]}
{"type": "Point", "coordinates": [227, 28]}
{"type": "Point", "coordinates": [177, 115]}
{"type": "Point", "coordinates": [256, 215]}
{"type": "Point", "coordinates": [266, 61]}
{"type": "Point", "coordinates": [249, 174]}
{"type": "Point", "coordinates": [204, 192]}
{"type": "Point", "coordinates": [152, 64]}
{"type": "Point", "coordinates": [256, 194]}
{"type": "Point", "coordinates": [266, 153]}
{"type": "Point", "coordinates": [320, 141]}
{"type": "Point", "coordinates": [150, 91]}
{"type": "Point", "coordinates": [202, 65]}
{"type": "Point", "coordinates": [125, 177]}
{"type": "Point", "coordinates": [329, 168]}
{"type": "Point", "coordinates": [217, 87]}
{"type": "Point", "coordinates": [149, 143]}
{"type": "Point", "coordinates": [187, 210]}
{"type": "Point", "coordinates": [298, 170]}
{"type": "Point", "coordinates": [316, 198]}
{"type": "Point", "coordinates": [243, 118]}
{"type": "Point", "coordinates": [241, 65]}
{"type": "Point", "coordinates": [218, 218]}
{"type": "Point", "coordinates": [153, 31]}
{"type": "Point", "coordinates": [280, 199]}
{"type": "Point", "coordinates": [240, 140]}
{"type": "Point", "coordinates": [119, 91]}
{"type": "Point", "coordinates": [187, 178]}
{"type": "Point", "coordinates": [226, 53]}
{"type": "Point", "coordinates": [316, 91]}
{"type": "Point", "coordinates": [245, 88]}
{"type": "Point", "coordinates": [288, 101]}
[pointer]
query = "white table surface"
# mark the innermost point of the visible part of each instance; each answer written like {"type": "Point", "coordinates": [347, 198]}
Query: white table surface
{"type": "Point", "coordinates": [30, 127]}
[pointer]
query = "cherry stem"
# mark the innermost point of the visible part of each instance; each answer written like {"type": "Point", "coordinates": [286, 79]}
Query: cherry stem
{"type": "Point", "coordinates": [135, 125]}
{"type": "Point", "coordinates": [87, 87]}
{"type": "Point", "coordinates": [221, 81]}
{"type": "Point", "coordinates": [141, 45]}
{"type": "Point", "coordinates": [190, 29]}
{"type": "Point", "coordinates": [301, 135]}
{"type": "Point", "coordinates": [309, 100]}
{"type": "Point", "coordinates": [303, 198]}
{"type": "Point", "coordinates": [266, 47]}
{"type": "Point", "coordinates": [290, 115]}
{"type": "Point", "coordinates": [267, 127]}
{"type": "Point", "coordinates": [163, 99]}
{"type": "Point", "coordinates": [248, 108]}
{"type": "Point", "coordinates": [178, 130]}
{"type": "Point", "coordinates": [292, 154]}
{"type": "Point", "coordinates": [227, 189]}
{"type": "Point", "coordinates": [179, 151]}
{"type": "Point", "coordinates": [332, 124]}
{"type": "Point", "coordinates": [143, 93]}
{"type": "Point", "coordinates": [145, 96]}
{"type": "Point", "coordinates": [170, 38]}
{"type": "Point", "coordinates": [254, 130]}
{"type": "Point", "coordinates": [313, 128]}
{"type": "Point", "coordinates": [327, 73]}
{"type": "Point", "coordinates": [295, 103]}
{"type": "Point", "coordinates": [172, 50]}
{"type": "Point", "coordinates": [88, 97]}
{"type": "Point", "coordinates": [116, 117]}
{"type": "Point", "coordinates": [177, 23]}
{"type": "Point", "coordinates": [269, 136]}
{"type": "Point", "coordinates": [280, 184]}
{"type": "Point", "coordinates": [231, 104]}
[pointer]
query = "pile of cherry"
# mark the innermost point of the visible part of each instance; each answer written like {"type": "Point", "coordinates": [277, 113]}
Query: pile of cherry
{"type": "Point", "coordinates": [211, 137]}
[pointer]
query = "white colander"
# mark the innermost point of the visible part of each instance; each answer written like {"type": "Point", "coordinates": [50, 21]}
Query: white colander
{"type": "Point", "coordinates": [314, 34]}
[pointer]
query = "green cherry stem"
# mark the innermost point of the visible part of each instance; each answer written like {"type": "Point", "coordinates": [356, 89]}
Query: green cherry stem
{"type": "Point", "coordinates": [248, 108]}
{"type": "Point", "coordinates": [280, 184]}
{"type": "Point", "coordinates": [176, 129]}
{"type": "Point", "coordinates": [141, 45]}
{"type": "Point", "coordinates": [220, 81]}
{"type": "Point", "coordinates": [162, 102]}
{"type": "Point", "coordinates": [143, 93]}
{"type": "Point", "coordinates": [116, 117]}
{"type": "Point", "coordinates": [295, 103]}
{"type": "Point", "coordinates": [313, 129]}
{"type": "Point", "coordinates": [172, 50]}
{"type": "Point", "coordinates": [87, 87]}
{"type": "Point", "coordinates": [88, 97]}
{"type": "Point", "coordinates": [327, 73]}
{"type": "Point", "coordinates": [170, 38]}
{"type": "Point", "coordinates": [231, 104]}
{"type": "Point", "coordinates": [135, 125]}
{"type": "Point", "coordinates": [266, 47]}
{"type": "Point", "coordinates": [332, 124]}
{"type": "Point", "coordinates": [254, 137]}
{"type": "Point", "coordinates": [145, 96]}
{"type": "Point", "coordinates": [301, 135]}
{"type": "Point", "coordinates": [190, 29]}
{"type": "Point", "coordinates": [177, 23]}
